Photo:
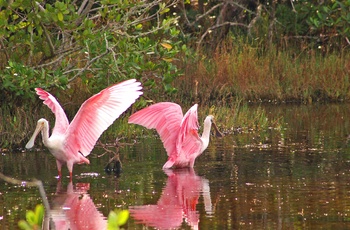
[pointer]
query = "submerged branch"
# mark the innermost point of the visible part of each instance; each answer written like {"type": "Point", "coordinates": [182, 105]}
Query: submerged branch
{"type": "Point", "coordinates": [33, 183]}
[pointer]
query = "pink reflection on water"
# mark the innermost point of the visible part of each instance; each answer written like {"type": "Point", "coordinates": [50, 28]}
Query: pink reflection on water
{"type": "Point", "coordinates": [74, 209]}
{"type": "Point", "coordinates": [177, 203]}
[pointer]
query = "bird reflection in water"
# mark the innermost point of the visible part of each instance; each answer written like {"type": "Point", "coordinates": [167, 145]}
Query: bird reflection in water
{"type": "Point", "coordinates": [177, 202]}
{"type": "Point", "coordinates": [74, 209]}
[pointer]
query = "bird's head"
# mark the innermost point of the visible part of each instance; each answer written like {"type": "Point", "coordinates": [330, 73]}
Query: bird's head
{"type": "Point", "coordinates": [39, 126]}
{"type": "Point", "coordinates": [210, 118]}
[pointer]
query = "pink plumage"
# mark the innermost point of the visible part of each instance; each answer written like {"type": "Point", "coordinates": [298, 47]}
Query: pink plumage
{"type": "Point", "coordinates": [74, 209]}
{"type": "Point", "coordinates": [177, 203]}
{"type": "Point", "coordinates": [71, 143]}
{"type": "Point", "coordinates": [178, 133]}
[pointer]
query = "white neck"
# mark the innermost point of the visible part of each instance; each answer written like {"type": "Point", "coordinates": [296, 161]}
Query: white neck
{"type": "Point", "coordinates": [45, 133]}
{"type": "Point", "coordinates": [206, 132]}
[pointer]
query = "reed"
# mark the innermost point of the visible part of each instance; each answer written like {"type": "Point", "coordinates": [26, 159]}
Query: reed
{"type": "Point", "coordinates": [245, 72]}
{"type": "Point", "coordinates": [240, 118]}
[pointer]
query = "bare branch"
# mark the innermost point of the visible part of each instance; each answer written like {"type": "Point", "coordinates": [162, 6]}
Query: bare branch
{"type": "Point", "coordinates": [52, 48]}
{"type": "Point", "coordinates": [208, 12]}
{"type": "Point", "coordinates": [87, 65]}
{"type": "Point", "coordinates": [209, 30]}
{"type": "Point", "coordinates": [240, 6]}
{"type": "Point", "coordinates": [291, 2]}
{"type": "Point", "coordinates": [5, 50]}
{"type": "Point", "coordinates": [84, 10]}
{"type": "Point", "coordinates": [59, 58]}
{"type": "Point", "coordinates": [82, 7]}
{"type": "Point", "coordinates": [257, 17]}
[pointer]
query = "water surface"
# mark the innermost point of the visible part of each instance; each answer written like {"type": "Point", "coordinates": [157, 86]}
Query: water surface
{"type": "Point", "coordinates": [294, 175]}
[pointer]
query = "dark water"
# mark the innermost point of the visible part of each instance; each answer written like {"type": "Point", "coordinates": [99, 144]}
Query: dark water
{"type": "Point", "coordinates": [294, 175]}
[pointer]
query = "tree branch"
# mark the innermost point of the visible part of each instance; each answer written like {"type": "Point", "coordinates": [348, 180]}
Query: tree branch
{"type": "Point", "coordinates": [52, 48]}
{"type": "Point", "coordinates": [210, 29]}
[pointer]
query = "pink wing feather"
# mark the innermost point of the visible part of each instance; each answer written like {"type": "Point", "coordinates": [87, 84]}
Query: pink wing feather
{"type": "Point", "coordinates": [97, 113]}
{"type": "Point", "coordinates": [166, 118]}
{"type": "Point", "coordinates": [61, 120]}
{"type": "Point", "coordinates": [188, 141]}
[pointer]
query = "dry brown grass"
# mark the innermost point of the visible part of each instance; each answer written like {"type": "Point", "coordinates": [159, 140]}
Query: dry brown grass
{"type": "Point", "coordinates": [242, 72]}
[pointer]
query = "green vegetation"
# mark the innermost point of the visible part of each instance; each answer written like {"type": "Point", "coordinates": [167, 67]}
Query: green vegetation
{"type": "Point", "coordinates": [117, 218]}
{"type": "Point", "coordinates": [222, 53]}
{"type": "Point", "coordinates": [34, 219]}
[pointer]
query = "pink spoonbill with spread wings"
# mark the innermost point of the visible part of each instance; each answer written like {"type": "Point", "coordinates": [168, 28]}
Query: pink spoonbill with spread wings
{"type": "Point", "coordinates": [178, 133]}
{"type": "Point", "coordinates": [71, 143]}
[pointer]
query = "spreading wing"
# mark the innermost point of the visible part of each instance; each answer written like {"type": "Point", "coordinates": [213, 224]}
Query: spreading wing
{"type": "Point", "coordinates": [188, 141]}
{"type": "Point", "coordinates": [61, 120]}
{"type": "Point", "coordinates": [165, 117]}
{"type": "Point", "coordinates": [97, 113]}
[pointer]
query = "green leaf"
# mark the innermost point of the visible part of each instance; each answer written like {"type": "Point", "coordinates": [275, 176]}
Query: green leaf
{"type": "Point", "coordinates": [30, 217]}
{"type": "Point", "coordinates": [118, 17]}
{"type": "Point", "coordinates": [112, 221]}
{"type": "Point", "coordinates": [40, 30]}
{"type": "Point", "coordinates": [117, 218]}
{"type": "Point", "coordinates": [60, 16]}
{"type": "Point", "coordinates": [123, 217]}
{"type": "Point", "coordinates": [54, 17]}
{"type": "Point", "coordinates": [39, 214]}
{"type": "Point", "coordinates": [60, 5]}
{"type": "Point", "coordinates": [22, 224]}
{"type": "Point", "coordinates": [165, 10]}
{"type": "Point", "coordinates": [63, 80]}
{"type": "Point", "coordinates": [167, 80]}
{"type": "Point", "coordinates": [149, 82]}
{"type": "Point", "coordinates": [138, 26]}
{"type": "Point", "coordinates": [335, 5]}
{"type": "Point", "coordinates": [326, 9]}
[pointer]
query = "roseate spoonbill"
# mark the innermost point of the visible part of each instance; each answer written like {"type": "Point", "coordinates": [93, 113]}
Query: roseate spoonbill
{"type": "Point", "coordinates": [71, 143]}
{"type": "Point", "coordinates": [178, 133]}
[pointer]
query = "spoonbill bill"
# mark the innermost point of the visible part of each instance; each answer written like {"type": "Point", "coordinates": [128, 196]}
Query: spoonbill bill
{"type": "Point", "coordinates": [70, 143]}
{"type": "Point", "coordinates": [178, 133]}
